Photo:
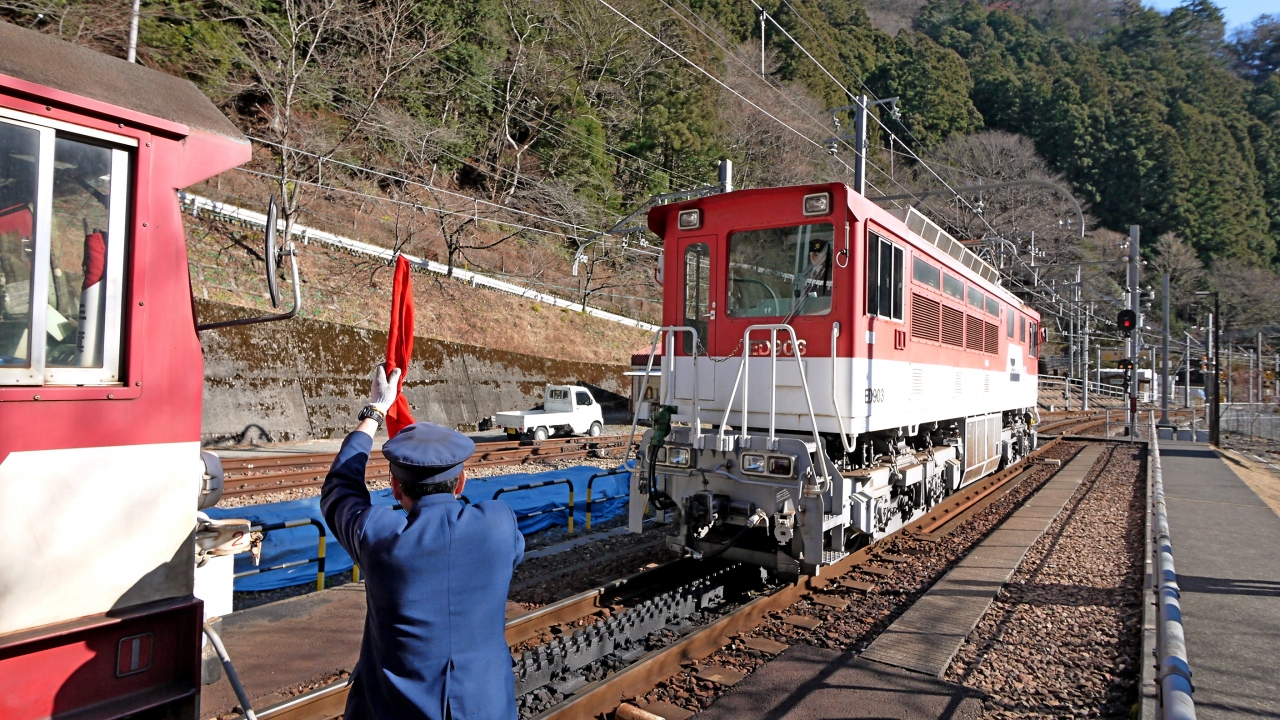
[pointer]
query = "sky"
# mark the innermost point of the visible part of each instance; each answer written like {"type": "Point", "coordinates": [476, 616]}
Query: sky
{"type": "Point", "coordinates": [1238, 12]}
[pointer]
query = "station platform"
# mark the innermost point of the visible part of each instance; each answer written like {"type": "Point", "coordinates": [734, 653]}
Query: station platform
{"type": "Point", "coordinates": [1226, 548]}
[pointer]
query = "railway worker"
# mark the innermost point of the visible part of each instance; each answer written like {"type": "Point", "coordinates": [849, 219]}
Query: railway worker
{"type": "Point", "coordinates": [436, 576]}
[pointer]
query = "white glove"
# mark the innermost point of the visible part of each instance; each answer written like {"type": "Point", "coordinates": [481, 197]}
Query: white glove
{"type": "Point", "coordinates": [382, 393]}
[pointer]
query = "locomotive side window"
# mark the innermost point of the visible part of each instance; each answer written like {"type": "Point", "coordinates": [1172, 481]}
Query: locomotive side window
{"type": "Point", "coordinates": [780, 272]}
{"type": "Point", "coordinates": [925, 274]}
{"type": "Point", "coordinates": [1010, 323]}
{"type": "Point", "coordinates": [976, 297]}
{"type": "Point", "coordinates": [993, 306]}
{"type": "Point", "coordinates": [884, 278]}
{"type": "Point", "coordinates": [62, 230]}
{"type": "Point", "coordinates": [697, 293]}
{"type": "Point", "coordinates": [1022, 329]}
{"type": "Point", "coordinates": [953, 287]}
{"type": "Point", "coordinates": [1035, 341]}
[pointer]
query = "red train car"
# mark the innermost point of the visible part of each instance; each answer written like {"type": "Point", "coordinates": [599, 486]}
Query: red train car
{"type": "Point", "coordinates": [101, 378]}
{"type": "Point", "coordinates": [832, 370]}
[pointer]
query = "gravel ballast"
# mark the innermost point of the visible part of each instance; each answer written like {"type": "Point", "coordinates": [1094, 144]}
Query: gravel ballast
{"type": "Point", "coordinates": [1063, 637]}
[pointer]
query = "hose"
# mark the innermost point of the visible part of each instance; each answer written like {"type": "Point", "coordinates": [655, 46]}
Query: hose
{"type": "Point", "coordinates": [752, 521]}
{"type": "Point", "coordinates": [230, 669]}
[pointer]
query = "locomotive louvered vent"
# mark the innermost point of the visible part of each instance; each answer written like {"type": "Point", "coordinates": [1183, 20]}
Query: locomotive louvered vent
{"type": "Point", "coordinates": [925, 321]}
{"type": "Point", "coordinates": [973, 332]}
{"type": "Point", "coordinates": [917, 382]}
{"type": "Point", "coordinates": [991, 339]}
{"type": "Point", "coordinates": [952, 326]}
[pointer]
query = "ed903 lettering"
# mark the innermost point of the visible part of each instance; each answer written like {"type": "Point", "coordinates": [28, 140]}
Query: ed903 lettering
{"type": "Point", "coordinates": [874, 395]}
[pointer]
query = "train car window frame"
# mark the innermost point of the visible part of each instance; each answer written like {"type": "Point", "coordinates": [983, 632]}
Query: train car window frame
{"type": "Point", "coordinates": [701, 297]}
{"type": "Point", "coordinates": [885, 282]}
{"type": "Point", "coordinates": [993, 306]}
{"type": "Point", "coordinates": [47, 277]}
{"type": "Point", "coordinates": [925, 273]}
{"type": "Point", "coordinates": [953, 286]}
{"type": "Point", "coordinates": [977, 299]}
{"type": "Point", "coordinates": [807, 259]}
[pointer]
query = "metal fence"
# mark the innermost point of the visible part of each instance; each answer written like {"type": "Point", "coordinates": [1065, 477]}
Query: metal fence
{"type": "Point", "coordinates": [1254, 419]}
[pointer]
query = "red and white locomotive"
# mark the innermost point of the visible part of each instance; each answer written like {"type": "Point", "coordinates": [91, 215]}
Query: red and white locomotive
{"type": "Point", "coordinates": [832, 369]}
{"type": "Point", "coordinates": [101, 381]}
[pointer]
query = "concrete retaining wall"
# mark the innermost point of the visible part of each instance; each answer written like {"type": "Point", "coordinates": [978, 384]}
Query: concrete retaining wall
{"type": "Point", "coordinates": [307, 379]}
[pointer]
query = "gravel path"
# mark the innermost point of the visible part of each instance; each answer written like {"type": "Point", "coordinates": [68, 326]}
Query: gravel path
{"type": "Point", "coordinates": [867, 613]}
{"type": "Point", "coordinates": [1063, 637]}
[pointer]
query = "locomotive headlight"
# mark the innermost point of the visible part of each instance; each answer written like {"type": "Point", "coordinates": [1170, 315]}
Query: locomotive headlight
{"type": "Point", "coordinates": [678, 456]}
{"type": "Point", "coordinates": [689, 219]}
{"type": "Point", "coordinates": [753, 464]}
{"type": "Point", "coordinates": [780, 466]}
{"type": "Point", "coordinates": [817, 204]}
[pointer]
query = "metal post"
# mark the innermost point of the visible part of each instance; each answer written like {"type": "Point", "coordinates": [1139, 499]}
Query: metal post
{"type": "Point", "coordinates": [1186, 377]}
{"type": "Point", "coordinates": [1135, 336]}
{"type": "Point", "coordinates": [763, 15]}
{"type": "Point", "coordinates": [133, 31]}
{"type": "Point", "coordinates": [1164, 349]}
{"type": "Point", "coordinates": [725, 172]}
{"type": "Point", "coordinates": [860, 146]}
{"type": "Point", "coordinates": [1215, 424]}
{"type": "Point", "coordinates": [1230, 390]}
{"type": "Point", "coordinates": [1084, 360]}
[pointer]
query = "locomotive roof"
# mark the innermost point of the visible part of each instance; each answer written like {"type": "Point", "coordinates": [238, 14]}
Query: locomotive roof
{"type": "Point", "coordinates": [46, 60]}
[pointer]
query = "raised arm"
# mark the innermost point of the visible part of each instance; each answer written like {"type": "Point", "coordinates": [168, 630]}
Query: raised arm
{"type": "Point", "coordinates": [344, 499]}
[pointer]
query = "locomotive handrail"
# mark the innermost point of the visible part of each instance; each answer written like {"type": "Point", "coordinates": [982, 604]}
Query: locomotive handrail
{"type": "Point", "coordinates": [297, 522]}
{"type": "Point", "coordinates": [835, 396]}
{"type": "Point", "coordinates": [743, 379]}
{"type": "Point", "coordinates": [666, 383]}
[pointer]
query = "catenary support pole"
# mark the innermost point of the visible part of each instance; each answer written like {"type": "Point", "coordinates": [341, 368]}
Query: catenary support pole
{"type": "Point", "coordinates": [133, 31]}
{"type": "Point", "coordinates": [860, 146]}
{"type": "Point", "coordinates": [1135, 336]}
{"type": "Point", "coordinates": [1164, 350]}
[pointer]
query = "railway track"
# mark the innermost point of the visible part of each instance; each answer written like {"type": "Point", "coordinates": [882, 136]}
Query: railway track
{"type": "Point", "coordinates": [247, 476]}
{"type": "Point", "coordinates": [580, 656]}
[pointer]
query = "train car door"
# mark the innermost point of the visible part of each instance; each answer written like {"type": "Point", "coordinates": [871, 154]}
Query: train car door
{"type": "Point", "coordinates": [701, 288]}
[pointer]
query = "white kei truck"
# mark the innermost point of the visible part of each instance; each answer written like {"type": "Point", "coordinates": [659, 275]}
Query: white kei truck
{"type": "Point", "coordinates": [564, 407]}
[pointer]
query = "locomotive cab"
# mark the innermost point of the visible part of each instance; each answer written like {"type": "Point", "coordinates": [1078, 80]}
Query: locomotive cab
{"type": "Point", "coordinates": [833, 369]}
{"type": "Point", "coordinates": [101, 382]}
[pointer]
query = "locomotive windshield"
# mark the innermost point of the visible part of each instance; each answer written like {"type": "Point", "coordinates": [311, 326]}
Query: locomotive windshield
{"type": "Point", "coordinates": [781, 272]}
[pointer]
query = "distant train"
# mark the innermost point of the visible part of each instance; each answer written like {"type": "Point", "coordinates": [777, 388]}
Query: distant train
{"type": "Point", "coordinates": [829, 371]}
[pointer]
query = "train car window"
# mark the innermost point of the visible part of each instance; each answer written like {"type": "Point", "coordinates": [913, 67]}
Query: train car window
{"type": "Point", "coordinates": [953, 287]}
{"type": "Point", "coordinates": [62, 230]}
{"type": "Point", "coordinates": [1022, 329]}
{"type": "Point", "coordinates": [976, 297]}
{"type": "Point", "coordinates": [781, 272]}
{"type": "Point", "coordinates": [1010, 323]}
{"type": "Point", "coordinates": [1035, 341]}
{"type": "Point", "coordinates": [993, 306]}
{"type": "Point", "coordinates": [19, 173]}
{"type": "Point", "coordinates": [926, 274]}
{"type": "Point", "coordinates": [885, 263]}
{"type": "Point", "coordinates": [697, 293]}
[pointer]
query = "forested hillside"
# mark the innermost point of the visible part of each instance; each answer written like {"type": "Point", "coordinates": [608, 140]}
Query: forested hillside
{"type": "Point", "coordinates": [516, 127]}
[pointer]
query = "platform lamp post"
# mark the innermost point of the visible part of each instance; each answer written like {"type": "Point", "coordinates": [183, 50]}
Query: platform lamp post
{"type": "Point", "coordinates": [1215, 410]}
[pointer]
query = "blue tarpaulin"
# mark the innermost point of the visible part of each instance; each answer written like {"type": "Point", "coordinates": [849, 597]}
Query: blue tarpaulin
{"type": "Point", "coordinates": [299, 543]}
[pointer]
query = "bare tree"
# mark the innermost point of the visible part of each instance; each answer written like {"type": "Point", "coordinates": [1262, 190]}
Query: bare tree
{"type": "Point", "coordinates": [324, 68]}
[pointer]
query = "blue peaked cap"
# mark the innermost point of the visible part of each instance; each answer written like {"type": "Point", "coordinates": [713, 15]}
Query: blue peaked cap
{"type": "Point", "coordinates": [426, 453]}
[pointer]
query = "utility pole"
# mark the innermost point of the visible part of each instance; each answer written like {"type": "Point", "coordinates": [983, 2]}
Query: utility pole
{"type": "Point", "coordinates": [1135, 335]}
{"type": "Point", "coordinates": [133, 31]}
{"type": "Point", "coordinates": [860, 145]}
{"type": "Point", "coordinates": [763, 16]}
{"type": "Point", "coordinates": [1186, 377]}
{"type": "Point", "coordinates": [1215, 332]}
{"type": "Point", "coordinates": [1084, 361]}
{"type": "Point", "coordinates": [1164, 349]}
{"type": "Point", "coordinates": [1230, 391]}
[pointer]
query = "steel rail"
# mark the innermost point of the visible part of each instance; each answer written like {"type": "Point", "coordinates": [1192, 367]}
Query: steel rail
{"type": "Point", "coordinates": [603, 696]}
{"type": "Point", "coordinates": [283, 473]}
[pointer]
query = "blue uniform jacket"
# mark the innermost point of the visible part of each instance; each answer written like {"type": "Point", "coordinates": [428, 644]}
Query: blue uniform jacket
{"type": "Point", "coordinates": [436, 583]}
